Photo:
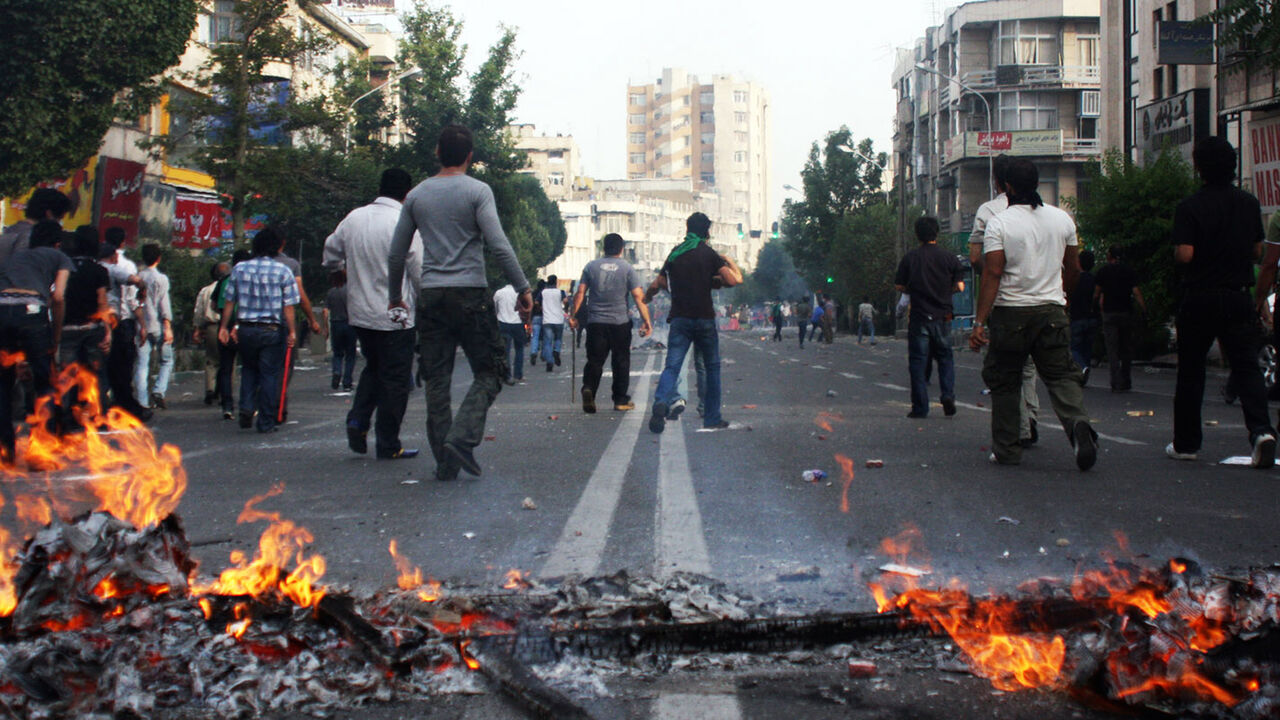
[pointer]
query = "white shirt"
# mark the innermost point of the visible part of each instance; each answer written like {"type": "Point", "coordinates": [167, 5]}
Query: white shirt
{"type": "Point", "coordinates": [362, 242]}
{"type": "Point", "coordinates": [986, 211]}
{"type": "Point", "coordinates": [1033, 242]}
{"type": "Point", "coordinates": [552, 306]}
{"type": "Point", "coordinates": [505, 302]}
{"type": "Point", "coordinates": [122, 296]}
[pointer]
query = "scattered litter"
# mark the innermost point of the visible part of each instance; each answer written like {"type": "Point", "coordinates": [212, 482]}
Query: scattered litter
{"type": "Point", "coordinates": [1140, 413]}
{"type": "Point", "coordinates": [342, 393]}
{"type": "Point", "coordinates": [304, 368]}
{"type": "Point", "coordinates": [1062, 542]}
{"type": "Point", "coordinates": [831, 393]}
{"type": "Point", "coordinates": [986, 391]}
{"type": "Point", "coordinates": [861, 669]}
{"type": "Point", "coordinates": [821, 437]}
{"type": "Point", "coordinates": [409, 482]}
{"type": "Point", "coordinates": [1005, 555]}
{"type": "Point", "coordinates": [875, 463]}
{"type": "Point", "coordinates": [748, 407]}
{"type": "Point", "coordinates": [529, 504]}
{"type": "Point", "coordinates": [813, 475]}
{"type": "Point", "coordinates": [979, 404]}
{"type": "Point", "coordinates": [1007, 519]}
{"type": "Point", "coordinates": [490, 438]}
{"type": "Point", "coordinates": [469, 535]}
{"type": "Point", "coordinates": [900, 569]}
{"type": "Point", "coordinates": [1244, 460]}
{"type": "Point", "coordinates": [553, 417]}
{"type": "Point", "coordinates": [1042, 551]}
{"type": "Point", "coordinates": [1211, 423]}
{"type": "Point", "coordinates": [807, 573]}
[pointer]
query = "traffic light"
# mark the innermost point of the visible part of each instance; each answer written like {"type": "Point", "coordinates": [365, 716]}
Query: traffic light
{"type": "Point", "coordinates": [740, 233]}
{"type": "Point", "coordinates": [830, 279]}
{"type": "Point", "coordinates": [775, 231]}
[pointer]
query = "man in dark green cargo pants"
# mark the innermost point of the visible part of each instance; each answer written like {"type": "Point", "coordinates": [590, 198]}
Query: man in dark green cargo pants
{"type": "Point", "coordinates": [1028, 249]}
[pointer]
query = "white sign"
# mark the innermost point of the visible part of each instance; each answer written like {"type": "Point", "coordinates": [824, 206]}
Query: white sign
{"type": "Point", "coordinates": [1264, 142]}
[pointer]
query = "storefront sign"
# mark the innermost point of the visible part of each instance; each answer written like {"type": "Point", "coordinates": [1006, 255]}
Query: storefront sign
{"type": "Point", "coordinates": [1264, 142]}
{"type": "Point", "coordinates": [1012, 142]}
{"type": "Point", "coordinates": [1184, 43]}
{"type": "Point", "coordinates": [1175, 122]}
{"type": "Point", "coordinates": [120, 195]}
{"type": "Point", "coordinates": [197, 222]}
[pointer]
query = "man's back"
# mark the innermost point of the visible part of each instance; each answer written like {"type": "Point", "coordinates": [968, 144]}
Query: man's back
{"type": "Point", "coordinates": [504, 302]}
{"type": "Point", "coordinates": [1034, 242]}
{"type": "Point", "coordinates": [1117, 281]}
{"type": "Point", "coordinates": [553, 306]}
{"type": "Point", "coordinates": [689, 279]}
{"type": "Point", "coordinates": [457, 218]}
{"type": "Point", "coordinates": [363, 241]}
{"type": "Point", "coordinates": [609, 281]}
{"type": "Point", "coordinates": [929, 273]}
{"type": "Point", "coordinates": [156, 302]}
{"type": "Point", "coordinates": [866, 311]}
{"type": "Point", "coordinates": [82, 290]}
{"type": "Point", "coordinates": [1222, 223]}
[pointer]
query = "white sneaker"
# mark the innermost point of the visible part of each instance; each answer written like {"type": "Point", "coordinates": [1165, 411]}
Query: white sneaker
{"type": "Point", "coordinates": [1264, 451]}
{"type": "Point", "coordinates": [1168, 450]}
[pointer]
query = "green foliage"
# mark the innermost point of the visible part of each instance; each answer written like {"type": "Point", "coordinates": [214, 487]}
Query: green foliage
{"type": "Point", "coordinates": [1253, 26]}
{"type": "Point", "coordinates": [1131, 207]}
{"type": "Point", "coordinates": [72, 66]}
{"type": "Point", "coordinates": [371, 115]}
{"type": "Point", "coordinates": [774, 276]}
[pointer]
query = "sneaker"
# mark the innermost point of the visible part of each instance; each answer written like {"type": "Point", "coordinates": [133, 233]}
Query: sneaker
{"type": "Point", "coordinates": [1035, 432]}
{"type": "Point", "coordinates": [1174, 454]}
{"type": "Point", "coordinates": [209, 397]}
{"type": "Point", "coordinates": [463, 457]}
{"type": "Point", "coordinates": [556, 354]}
{"type": "Point", "coordinates": [157, 400]}
{"type": "Point", "coordinates": [347, 388]}
{"type": "Point", "coordinates": [357, 439]}
{"type": "Point", "coordinates": [624, 406]}
{"type": "Point", "coordinates": [1084, 376]}
{"type": "Point", "coordinates": [948, 405]}
{"type": "Point", "coordinates": [722, 425]}
{"type": "Point", "coordinates": [588, 401]}
{"type": "Point", "coordinates": [658, 420]}
{"type": "Point", "coordinates": [1086, 442]}
{"type": "Point", "coordinates": [227, 414]}
{"type": "Point", "coordinates": [246, 420]}
{"type": "Point", "coordinates": [401, 454]}
{"type": "Point", "coordinates": [1264, 451]}
{"type": "Point", "coordinates": [677, 409]}
{"type": "Point", "coordinates": [335, 382]}
{"type": "Point", "coordinates": [549, 368]}
{"type": "Point", "coordinates": [533, 359]}
{"type": "Point", "coordinates": [915, 415]}
{"type": "Point", "coordinates": [996, 461]}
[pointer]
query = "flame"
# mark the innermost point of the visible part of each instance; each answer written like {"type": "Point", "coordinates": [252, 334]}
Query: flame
{"type": "Point", "coordinates": [9, 359]}
{"type": "Point", "coordinates": [825, 419]}
{"type": "Point", "coordinates": [283, 543]}
{"type": "Point", "coordinates": [242, 621]}
{"type": "Point", "coordinates": [410, 577]}
{"type": "Point", "coordinates": [471, 662]}
{"type": "Point", "coordinates": [107, 589]}
{"type": "Point", "coordinates": [517, 580]}
{"type": "Point", "coordinates": [846, 473]}
{"type": "Point", "coordinates": [1177, 567]}
{"type": "Point", "coordinates": [1191, 682]}
{"type": "Point", "coordinates": [33, 509]}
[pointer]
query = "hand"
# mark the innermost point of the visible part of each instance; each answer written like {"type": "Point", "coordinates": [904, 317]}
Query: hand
{"type": "Point", "coordinates": [315, 326]}
{"type": "Point", "coordinates": [105, 345]}
{"type": "Point", "coordinates": [224, 336]}
{"type": "Point", "coordinates": [292, 339]}
{"type": "Point", "coordinates": [168, 336]}
{"type": "Point", "coordinates": [195, 336]}
{"type": "Point", "coordinates": [525, 300]}
{"type": "Point", "coordinates": [646, 330]}
{"type": "Point", "coordinates": [573, 323]}
{"type": "Point", "coordinates": [977, 338]}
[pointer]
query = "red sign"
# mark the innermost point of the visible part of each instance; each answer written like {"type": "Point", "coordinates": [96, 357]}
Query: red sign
{"type": "Point", "coordinates": [120, 195]}
{"type": "Point", "coordinates": [197, 222]}
{"type": "Point", "coordinates": [1264, 140]}
{"type": "Point", "coordinates": [996, 141]}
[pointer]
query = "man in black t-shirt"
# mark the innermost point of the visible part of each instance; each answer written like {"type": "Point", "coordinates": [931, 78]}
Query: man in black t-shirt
{"type": "Point", "coordinates": [1116, 289]}
{"type": "Point", "coordinates": [930, 274]}
{"type": "Point", "coordinates": [1217, 235]}
{"type": "Point", "coordinates": [691, 270]}
{"type": "Point", "coordinates": [1084, 318]}
{"type": "Point", "coordinates": [85, 337]}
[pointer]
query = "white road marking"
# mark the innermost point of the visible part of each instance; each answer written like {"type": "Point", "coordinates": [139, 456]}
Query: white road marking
{"type": "Point", "coordinates": [1050, 424]}
{"type": "Point", "coordinates": [681, 706]}
{"type": "Point", "coordinates": [773, 352]}
{"type": "Point", "coordinates": [582, 542]}
{"type": "Point", "coordinates": [851, 376]}
{"type": "Point", "coordinates": [891, 386]}
{"type": "Point", "coordinates": [679, 542]}
{"type": "Point", "coordinates": [818, 367]}
{"type": "Point", "coordinates": [868, 362]}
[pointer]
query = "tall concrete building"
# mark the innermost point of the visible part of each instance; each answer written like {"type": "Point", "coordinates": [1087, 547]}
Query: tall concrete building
{"type": "Point", "coordinates": [1019, 77]}
{"type": "Point", "coordinates": [716, 134]}
{"type": "Point", "coordinates": [555, 160]}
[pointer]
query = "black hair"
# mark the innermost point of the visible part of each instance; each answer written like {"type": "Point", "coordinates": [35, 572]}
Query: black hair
{"type": "Point", "coordinates": [1024, 178]}
{"type": "Point", "coordinates": [45, 201]}
{"type": "Point", "coordinates": [46, 233]}
{"type": "Point", "coordinates": [1215, 160]}
{"type": "Point", "coordinates": [338, 278]}
{"type": "Point", "coordinates": [267, 243]}
{"type": "Point", "coordinates": [240, 256]}
{"type": "Point", "coordinates": [613, 243]}
{"type": "Point", "coordinates": [454, 146]}
{"type": "Point", "coordinates": [1113, 252]}
{"type": "Point", "coordinates": [84, 242]}
{"type": "Point", "coordinates": [114, 236]}
{"type": "Point", "coordinates": [395, 184]}
{"type": "Point", "coordinates": [699, 224]}
{"type": "Point", "coordinates": [150, 254]}
{"type": "Point", "coordinates": [1086, 260]}
{"type": "Point", "coordinates": [214, 273]}
{"type": "Point", "coordinates": [1000, 169]}
{"type": "Point", "coordinates": [927, 229]}
{"type": "Point", "coordinates": [551, 281]}
{"type": "Point", "coordinates": [866, 298]}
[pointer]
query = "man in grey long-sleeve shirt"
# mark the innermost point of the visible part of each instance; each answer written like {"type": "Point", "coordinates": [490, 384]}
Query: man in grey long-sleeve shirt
{"type": "Point", "coordinates": [457, 219]}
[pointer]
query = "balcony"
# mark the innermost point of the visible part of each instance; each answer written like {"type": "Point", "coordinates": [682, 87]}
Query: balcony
{"type": "Point", "coordinates": [1015, 76]}
{"type": "Point", "coordinates": [1081, 148]}
{"type": "Point", "coordinates": [1026, 143]}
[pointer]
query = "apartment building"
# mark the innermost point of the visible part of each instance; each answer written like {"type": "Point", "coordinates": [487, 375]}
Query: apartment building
{"type": "Point", "coordinates": [1018, 77]}
{"type": "Point", "coordinates": [715, 134]}
{"type": "Point", "coordinates": [555, 161]}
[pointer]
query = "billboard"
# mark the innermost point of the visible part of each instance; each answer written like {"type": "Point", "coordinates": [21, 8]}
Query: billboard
{"type": "Point", "coordinates": [197, 222]}
{"type": "Point", "coordinates": [1175, 122]}
{"type": "Point", "coordinates": [1184, 43]}
{"type": "Point", "coordinates": [120, 195]}
{"type": "Point", "coordinates": [78, 186]}
{"type": "Point", "coordinates": [1013, 142]}
{"type": "Point", "coordinates": [1264, 143]}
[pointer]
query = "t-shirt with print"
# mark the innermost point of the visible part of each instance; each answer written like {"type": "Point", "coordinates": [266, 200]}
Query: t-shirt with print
{"type": "Point", "coordinates": [553, 306]}
{"type": "Point", "coordinates": [1034, 242]}
{"type": "Point", "coordinates": [34, 269]}
{"type": "Point", "coordinates": [1222, 223]}
{"type": "Point", "coordinates": [1117, 281]}
{"type": "Point", "coordinates": [87, 277]}
{"type": "Point", "coordinates": [609, 280]}
{"type": "Point", "coordinates": [930, 273]}
{"type": "Point", "coordinates": [689, 279]}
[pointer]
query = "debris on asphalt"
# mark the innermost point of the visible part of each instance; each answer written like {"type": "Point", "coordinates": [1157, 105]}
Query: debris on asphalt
{"type": "Point", "coordinates": [1239, 460]}
{"type": "Point", "coordinates": [529, 504]}
{"type": "Point", "coordinates": [812, 572]}
{"type": "Point", "coordinates": [1211, 423]}
{"type": "Point", "coordinates": [1009, 520]}
{"type": "Point", "coordinates": [553, 417]}
{"type": "Point", "coordinates": [409, 482]}
{"type": "Point", "coordinates": [894, 568]}
{"type": "Point", "coordinates": [986, 391]}
{"type": "Point", "coordinates": [1042, 551]}
{"type": "Point", "coordinates": [490, 438]}
{"type": "Point", "coordinates": [813, 475]}
{"type": "Point", "coordinates": [748, 407]}
{"type": "Point", "coordinates": [1140, 413]}
{"type": "Point", "coordinates": [862, 669]}
{"type": "Point", "coordinates": [1062, 542]}
{"type": "Point", "coordinates": [875, 463]}
{"type": "Point", "coordinates": [831, 393]}
{"type": "Point", "coordinates": [469, 535]}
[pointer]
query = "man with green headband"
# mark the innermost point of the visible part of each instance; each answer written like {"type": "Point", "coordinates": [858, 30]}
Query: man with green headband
{"type": "Point", "coordinates": [689, 274]}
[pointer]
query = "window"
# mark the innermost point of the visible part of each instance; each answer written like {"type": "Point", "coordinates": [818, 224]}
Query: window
{"type": "Point", "coordinates": [225, 23]}
{"type": "Point", "coordinates": [686, 100]}
{"type": "Point", "coordinates": [1028, 111]}
{"type": "Point", "coordinates": [687, 161]}
{"type": "Point", "coordinates": [1027, 42]}
{"type": "Point", "coordinates": [740, 117]}
{"type": "Point", "coordinates": [706, 98]}
{"type": "Point", "coordinates": [684, 141]}
{"type": "Point", "coordinates": [708, 138]}
{"type": "Point", "coordinates": [740, 96]}
{"type": "Point", "coordinates": [657, 114]}
{"type": "Point", "coordinates": [657, 133]}
{"type": "Point", "coordinates": [740, 156]}
{"type": "Point", "coordinates": [709, 178]}
{"type": "Point", "coordinates": [637, 98]}
{"type": "Point", "coordinates": [1088, 128]}
{"type": "Point", "coordinates": [740, 136]}
{"type": "Point", "coordinates": [555, 156]}
{"type": "Point", "coordinates": [1157, 83]}
{"type": "Point", "coordinates": [637, 158]}
{"type": "Point", "coordinates": [1090, 51]}
{"type": "Point", "coordinates": [708, 158]}
{"type": "Point", "coordinates": [706, 117]}
{"type": "Point", "coordinates": [556, 178]}
{"type": "Point", "coordinates": [1171, 11]}
{"type": "Point", "coordinates": [1173, 80]}
{"type": "Point", "coordinates": [637, 138]}
{"type": "Point", "coordinates": [636, 119]}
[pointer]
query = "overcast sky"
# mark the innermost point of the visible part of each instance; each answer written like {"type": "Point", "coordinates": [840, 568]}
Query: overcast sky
{"type": "Point", "coordinates": [824, 64]}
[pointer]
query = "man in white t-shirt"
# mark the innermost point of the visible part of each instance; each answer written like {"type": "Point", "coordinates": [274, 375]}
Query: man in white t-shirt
{"type": "Point", "coordinates": [511, 328]}
{"type": "Point", "coordinates": [1028, 433]}
{"type": "Point", "coordinates": [1030, 262]}
{"type": "Point", "coordinates": [552, 322]}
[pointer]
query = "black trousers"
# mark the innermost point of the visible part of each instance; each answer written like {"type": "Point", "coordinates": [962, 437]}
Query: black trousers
{"type": "Point", "coordinates": [612, 341]}
{"type": "Point", "coordinates": [385, 384]}
{"type": "Point", "coordinates": [29, 333]}
{"type": "Point", "coordinates": [1229, 317]}
{"type": "Point", "coordinates": [120, 362]}
{"type": "Point", "coordinates": [226, 375]}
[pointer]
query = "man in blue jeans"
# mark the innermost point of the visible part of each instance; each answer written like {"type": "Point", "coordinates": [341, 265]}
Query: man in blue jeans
{"type": "Point", "coordinates": [930, 274]}
{"type": "Point", "coordinates": [689, 274]}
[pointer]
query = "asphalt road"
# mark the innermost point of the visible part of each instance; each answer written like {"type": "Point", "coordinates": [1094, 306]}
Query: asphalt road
{"type": "Point", "coordinates": [610, 495]}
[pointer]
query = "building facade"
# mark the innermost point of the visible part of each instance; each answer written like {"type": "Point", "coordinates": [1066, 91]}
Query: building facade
{"type": "Point", "coordinates": [717, 135]}
{"type": "Point", "coordinates": [1014, 77]}
{"type": "Point", "coordinates": [555, 161]}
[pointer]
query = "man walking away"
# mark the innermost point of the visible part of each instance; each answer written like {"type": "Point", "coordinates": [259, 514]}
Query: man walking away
{"type": "Point", "coordinates": [130, 324]}
{"type": "Point", "coordinates": [552, 322]}
{"type": "Point", "coordinates": [802, 312]}
{"type": "Point", "coordinates": [159, 324]}
{"type": "Point", "coordinates": [931, 275]}
{"type": "Point", "coordinates": [815, 320]}
{"type": "Point", "coordinates": [261, 296]}
{"type": "Point", "coordinates": [1084, 317]}
{"type": "Point", "coordinates": [828, 319]}
{"type": "Point", "coordinates": [227, 349]}
{"type": "Point", "coordinates": [1116, 291]}
{"type": "Point", "coordinates": [86, 339]}
{"type": "Point", "coordinates": [606, 282]}
{"type": "Point", "coordinates": [206, 318]}
{"type": "Point", "coordinates": [342, 337]}
{"type": "Point", "coordinates": [1030, 264]}
{"type": "Point", "coordinates": [1217, 234]}
{"type": "Point", "coordinates": [775, 314]}
{"type": "Point", "coordinates": [866, 320]}
{"type": "Point", "coordinates": [458, 220]}
{"type": "Point", "coordinates": [362, 243]}
{"type": "Point", "coordinates": [535, 323]}
{"type": "Point", "coordinates": [687, 274]}
{"type": "Point", "coordinates": [512, 330]}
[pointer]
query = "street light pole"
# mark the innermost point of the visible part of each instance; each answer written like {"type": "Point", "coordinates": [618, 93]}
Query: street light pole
{"type": "Point", "coordinates": [346, 140]}
{"type": "Point", "coordinates": [991, 173]}
{"type": "Point", "coordinates": [883, 166]}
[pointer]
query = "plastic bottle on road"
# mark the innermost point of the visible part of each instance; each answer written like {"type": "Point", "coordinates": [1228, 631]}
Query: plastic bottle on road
{"type": "Point", "coordinates": [813, 475]}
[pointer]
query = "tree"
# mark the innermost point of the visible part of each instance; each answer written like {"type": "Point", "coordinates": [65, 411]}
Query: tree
{"type": "Point", "coordinates": [72, 66]}
{"type": "Point", "coordinates": [241, 112]}
{"type": "Point", "coordinates": [774, 276]}
{"type": "Point", "coordinates": [1251, 25]}
{"type": "Point", "coordinates": [371, 115]}
{"type": "Point", "coordinates": [1130, 207]}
